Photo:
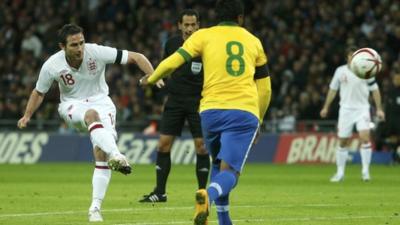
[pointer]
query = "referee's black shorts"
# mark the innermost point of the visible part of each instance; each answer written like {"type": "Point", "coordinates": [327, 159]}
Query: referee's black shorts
{"type": "Point", "coordinates": [177, 109]}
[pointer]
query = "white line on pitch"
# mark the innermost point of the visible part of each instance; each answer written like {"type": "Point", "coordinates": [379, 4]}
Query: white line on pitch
{"type": "Point", "coordinates": [141, 209]}
{"type": "Point", "coordinates": [273, 220]}
{"type": "Point", "coordinates": [161, 208]}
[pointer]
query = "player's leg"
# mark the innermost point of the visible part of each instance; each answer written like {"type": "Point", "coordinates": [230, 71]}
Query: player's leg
{"type": "Point", "coordinates": [202, 156]}
{"type": "Point", "coordinates": [237, 131]}
{"type": "Point", "coordinates": [366, 154]}
{"type": "Point", "coordinates": [218, 192]}
{"type": "Point", "coordinates": [202, 201]}
{"type": "Point", "coordinates": [105, 140]}
{"type": "Point", "coordinates": [213, 145]}
{"type": "Point", "coordinates": [99, 135]}
{"type": "Point", "coordinates": [85, 116]}
{"type": "Point", "coordinates": [100, 180]}
{"type": "Point", "coordinates": [234, 150]}
{"type": "Point", "coordinates": [222, 205]}
{"type": "Point", "coordinates": [342, 154]}
{"type": "Point", "coordinates": [100, 120]}
{"type": "Point", "coordinates": [171, 125]}
{"type": "Point", "coordinates": [79, 114]}
{"type": "Point", "coordinates": [363, 128]}
{"type": "Point", "coordinates": [345, 130]}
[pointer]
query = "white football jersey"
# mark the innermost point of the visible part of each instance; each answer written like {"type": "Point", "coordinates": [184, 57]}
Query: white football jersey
{"type": "Point", "coordinates": [88, 80]}
{"type": "Point", "coordinates": [354, 91]}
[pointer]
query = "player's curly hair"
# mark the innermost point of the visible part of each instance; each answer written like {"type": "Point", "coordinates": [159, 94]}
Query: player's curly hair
{"type": "Point", "coordinates": [66, 30]}
{"type": "Point", "coordinates": [229, 10]}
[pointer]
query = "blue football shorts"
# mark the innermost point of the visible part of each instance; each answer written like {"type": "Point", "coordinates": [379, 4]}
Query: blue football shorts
{"type": "Point", "coordinates": [229, 135]}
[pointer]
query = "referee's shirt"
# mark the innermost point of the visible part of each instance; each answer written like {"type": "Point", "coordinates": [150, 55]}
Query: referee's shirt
{"type": "Point", "coordinates": [187, 80]}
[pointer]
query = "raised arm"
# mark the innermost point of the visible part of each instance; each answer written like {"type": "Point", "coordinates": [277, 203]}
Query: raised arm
{"type": "Point", "coordinates": [35, 100]}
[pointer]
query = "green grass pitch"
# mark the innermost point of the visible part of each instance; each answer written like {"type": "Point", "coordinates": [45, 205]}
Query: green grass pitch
{"type": "Point", "coordinates": [60, 194]}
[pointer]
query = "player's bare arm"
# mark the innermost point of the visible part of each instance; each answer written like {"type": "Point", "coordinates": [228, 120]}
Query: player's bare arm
{"type": "Point", "coordinates": [166, 67]}
{"type": "Point", "coordinates": [329, 98]}
{"type": "Point", "coordinates": [144, 64]}
{"type": "Point", "coordinates": [35, 100]}
{"type": "Point", "coordinates": [376, 95]}
{"type": "Point", "coordinates": [140, 60]}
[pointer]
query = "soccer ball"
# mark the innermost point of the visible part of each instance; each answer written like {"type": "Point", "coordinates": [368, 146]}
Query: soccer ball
{"type": "Point", "coordinates": [365, 63]}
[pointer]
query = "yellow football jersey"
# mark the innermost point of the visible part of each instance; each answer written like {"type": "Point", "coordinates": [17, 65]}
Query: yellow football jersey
{"type": "Point", "coordinates": [230, 55]}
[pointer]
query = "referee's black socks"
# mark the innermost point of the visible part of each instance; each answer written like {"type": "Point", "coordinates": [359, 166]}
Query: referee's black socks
{"type": "Point", "coordinates": [202, 169]}
{"type": "Point", "coordinates": [163, 166]}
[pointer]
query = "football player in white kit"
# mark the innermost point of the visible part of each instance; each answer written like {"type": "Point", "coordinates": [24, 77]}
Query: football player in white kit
{"type": "Point", "coordinates": [79, 69]}
{"type": "Point", "coordinates": [354, 111]}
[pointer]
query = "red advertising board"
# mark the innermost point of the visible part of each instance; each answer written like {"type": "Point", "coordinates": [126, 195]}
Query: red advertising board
{"type": "Point", "coordinates": [309, 148]}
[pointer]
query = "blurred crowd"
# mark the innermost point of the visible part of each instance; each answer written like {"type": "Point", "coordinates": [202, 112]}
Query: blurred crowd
{"type": "Point", "coordinates": [305, 41]}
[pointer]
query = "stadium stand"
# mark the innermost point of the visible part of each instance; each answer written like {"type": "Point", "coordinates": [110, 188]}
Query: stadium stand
{"type": "Point", "coordinates": [305, 41]}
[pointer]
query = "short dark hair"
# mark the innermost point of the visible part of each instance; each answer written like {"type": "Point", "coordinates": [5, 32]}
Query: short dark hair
{"type": "Point", "coordinates": [188, 12]}
{"type": "Point", "coordinates": [66, 30]}
{"type": "Point", "coordinates": [229, 10]}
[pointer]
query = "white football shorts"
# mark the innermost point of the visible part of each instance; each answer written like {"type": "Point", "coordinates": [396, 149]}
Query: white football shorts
{"type": "Point", "coordinates": [348, 118]}
{"type": "Point", "coordinates": [73, 112]}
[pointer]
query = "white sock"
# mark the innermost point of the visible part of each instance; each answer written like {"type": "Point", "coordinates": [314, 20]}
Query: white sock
{"type": "Point", "coordinates": [102, 138]}
{"type": "Point", "coordinates": [100, 180]}
{"type": "Point", "coordinates": [366, 153]}
{"type": "Point", "coordinates": [341, 158]}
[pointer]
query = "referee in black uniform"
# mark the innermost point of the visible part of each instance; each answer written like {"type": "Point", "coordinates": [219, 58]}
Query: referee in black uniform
{"type": "Point", "coordinates": [184, 92]}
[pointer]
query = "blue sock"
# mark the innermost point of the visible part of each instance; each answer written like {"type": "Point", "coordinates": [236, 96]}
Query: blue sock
{"type": "Point", "coordinates": [221, 185]}
{"type": "Point", "coordinates": [222, 205]}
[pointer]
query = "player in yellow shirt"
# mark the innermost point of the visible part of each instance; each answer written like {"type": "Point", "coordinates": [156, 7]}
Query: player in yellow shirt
{"type": "Point", "coordinates": [236, 94]}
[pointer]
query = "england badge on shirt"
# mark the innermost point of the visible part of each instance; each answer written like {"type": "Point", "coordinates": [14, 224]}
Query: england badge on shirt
{"type": "Point", "coordinates": [196, 67]}
{"type": "Point", "coordinates": [92, 66]}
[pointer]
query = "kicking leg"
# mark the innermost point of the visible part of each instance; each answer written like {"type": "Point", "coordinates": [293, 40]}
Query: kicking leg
{"type": "Point", "coordinates": [105, 140]}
